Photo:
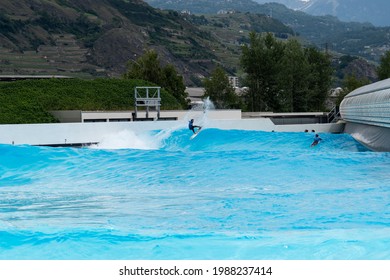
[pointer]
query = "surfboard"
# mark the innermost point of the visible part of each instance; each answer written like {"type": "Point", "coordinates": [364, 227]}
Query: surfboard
{"type": "Point", "coordinates": [195, 134]}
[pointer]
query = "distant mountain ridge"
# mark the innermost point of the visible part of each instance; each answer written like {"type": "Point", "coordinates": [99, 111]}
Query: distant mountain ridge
{"type": "Point", "coordinates": [374, 11]}
{"type": "Point", "coordinates": [354, 38]}
{"type": "Point", "coordinates": [363, 11]}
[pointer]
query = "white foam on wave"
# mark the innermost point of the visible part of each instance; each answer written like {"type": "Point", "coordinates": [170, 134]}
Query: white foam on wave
{"type": "Point", "coordinates": [149, 140]}
{"type": "Point", "coordinates": [200, 112]}
{"type": "Point", "coordinates": [128, 139]}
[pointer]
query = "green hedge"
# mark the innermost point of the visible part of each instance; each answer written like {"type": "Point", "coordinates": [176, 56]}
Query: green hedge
{"type": "Point", "coordinates": [30, 101]}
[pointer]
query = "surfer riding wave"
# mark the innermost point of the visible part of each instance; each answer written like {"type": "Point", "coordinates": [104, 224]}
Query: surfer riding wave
{"type": "Point", "coordinates": [192, 127]}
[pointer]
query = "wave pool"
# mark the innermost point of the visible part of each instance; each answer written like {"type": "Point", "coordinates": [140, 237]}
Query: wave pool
{"type": "Point", "coordinates": [227, 194]}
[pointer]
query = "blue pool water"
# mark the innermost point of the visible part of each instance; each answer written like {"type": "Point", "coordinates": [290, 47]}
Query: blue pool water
{"type": "Point", "coordinates": [227, 194]}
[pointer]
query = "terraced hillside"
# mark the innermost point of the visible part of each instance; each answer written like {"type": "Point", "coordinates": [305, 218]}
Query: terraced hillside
{"type": "Point", "coordinates": [89, 38]}
{"type": "Point", "coordinates": [66, 56]}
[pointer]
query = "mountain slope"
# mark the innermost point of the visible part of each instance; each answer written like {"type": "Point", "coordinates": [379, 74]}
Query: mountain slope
{"type": "Point", "coordinates": [98, 37]}
{"type": "Point", "coordinates": [375, 12]}
{"type": "Point", "coordinates": [360, 39]}
{"type": "Point", "coordinates": [204, 6]}
{"type": "Point", "coordinates": [107, 32]}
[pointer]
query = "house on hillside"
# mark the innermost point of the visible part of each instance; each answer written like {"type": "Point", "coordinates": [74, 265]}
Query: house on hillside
{"type": "Point", "coordinates": [234, 81]}
{"type": "Point", "coordinates": [225, 12]}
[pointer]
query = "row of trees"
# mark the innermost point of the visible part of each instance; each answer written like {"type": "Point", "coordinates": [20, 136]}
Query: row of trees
{"type": "Point", "coordinates": [284, 76]}
{"type": "Point", "coordinates": [280, 76]}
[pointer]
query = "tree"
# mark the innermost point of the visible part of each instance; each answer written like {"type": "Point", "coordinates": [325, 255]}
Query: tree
{"type": "Point", "coordinates": [220, 90]}
{"type": "Point", "coordinates": [260, 59]}
{"type": "Point", "coordinates": [383, 69]}
{"type": "Point", "coordinates": [319, 78]}
{"type": "Point", "coordinates": [293, 79]}
{"type": "Point", "coordinates": [284, 76]}
{"type": "Point", "coordinates": [148, 68]}
{"type": "Point", "coordinates": [174, 83]}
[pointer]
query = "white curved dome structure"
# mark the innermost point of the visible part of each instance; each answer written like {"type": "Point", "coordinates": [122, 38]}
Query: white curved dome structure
{"type": "Point", "coordinates": [366, 111]}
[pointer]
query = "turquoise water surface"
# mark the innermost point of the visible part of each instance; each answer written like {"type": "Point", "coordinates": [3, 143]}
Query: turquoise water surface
{"type": "Point", "coordinates": [227, 194]}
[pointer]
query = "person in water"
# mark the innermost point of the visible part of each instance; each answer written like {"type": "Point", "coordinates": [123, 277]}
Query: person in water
{"type": "Point", "coordinates": [317, 139]}
{"type": "Point", "coordinates": [192, 127]}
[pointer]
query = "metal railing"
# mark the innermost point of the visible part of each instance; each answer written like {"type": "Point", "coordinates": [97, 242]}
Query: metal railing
{"type": "Point", "coordinates": [334, 114]}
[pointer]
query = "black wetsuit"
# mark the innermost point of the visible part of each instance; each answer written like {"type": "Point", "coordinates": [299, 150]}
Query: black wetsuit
{"type": "Point", "coordinates": [191, 126]}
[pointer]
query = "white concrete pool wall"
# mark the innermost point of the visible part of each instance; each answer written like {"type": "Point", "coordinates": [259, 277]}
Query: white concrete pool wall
{"type": "Point", "coordinates": [178, 114]}
{"type": "Point", "coordinates": [85, 133]}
